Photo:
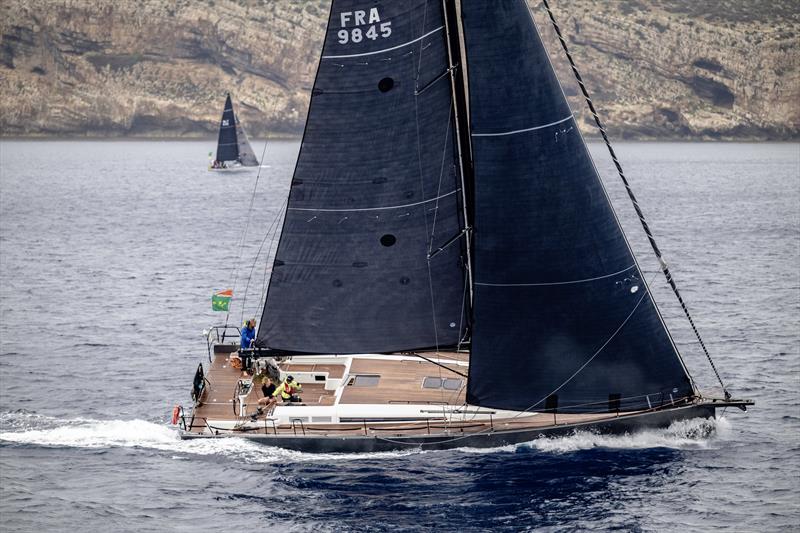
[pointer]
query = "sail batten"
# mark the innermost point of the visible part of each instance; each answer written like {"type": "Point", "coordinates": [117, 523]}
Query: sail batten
{"type": "Point", "coordinates": [524, 130]}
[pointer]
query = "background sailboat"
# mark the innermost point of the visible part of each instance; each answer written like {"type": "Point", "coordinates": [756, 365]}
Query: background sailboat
{"type": "Point", "coordinates": [233, 146]}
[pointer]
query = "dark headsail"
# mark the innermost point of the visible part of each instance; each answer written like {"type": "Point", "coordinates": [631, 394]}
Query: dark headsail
{"type": "Point", "coordinates": [376, 190]}
{"type": "Point", "coordinates": [227, 146]}
{"type": "Point", "coordinates": [562, 314]}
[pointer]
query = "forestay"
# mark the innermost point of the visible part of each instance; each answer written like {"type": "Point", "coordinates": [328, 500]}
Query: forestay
{"type": "Point", "coordinates": [375, 190]}
{"type": "Point", "coordinates": [561, 309]}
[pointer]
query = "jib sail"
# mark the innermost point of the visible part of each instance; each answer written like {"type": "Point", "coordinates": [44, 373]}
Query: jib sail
{"type": "Point", "coordinates": [563, 318]}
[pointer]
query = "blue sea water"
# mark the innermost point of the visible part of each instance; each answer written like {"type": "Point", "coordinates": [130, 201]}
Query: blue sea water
{"type": "Point", "coordinates": [109, 252]}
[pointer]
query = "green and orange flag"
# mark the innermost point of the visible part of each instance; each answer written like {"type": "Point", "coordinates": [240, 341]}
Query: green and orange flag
{"type": "Point", "coordinates": [221, 301]}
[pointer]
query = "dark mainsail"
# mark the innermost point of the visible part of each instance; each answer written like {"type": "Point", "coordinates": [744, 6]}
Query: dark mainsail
{"type": "Point", "coordinates": [562, 315]}
{"type": "Point", "coordinates": [376, 189]}
{"type": "Point", "coordinates": [227, 146]}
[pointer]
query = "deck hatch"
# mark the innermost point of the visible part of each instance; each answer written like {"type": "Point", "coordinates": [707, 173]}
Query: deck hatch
{"type": "Point", "coordinates": [434, 382]}
{"type": "Point", "coordinates": [363, 380]}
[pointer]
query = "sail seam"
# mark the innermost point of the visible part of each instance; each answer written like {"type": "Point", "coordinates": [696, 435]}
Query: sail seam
{"type": "Point", "coordinates": [385, 49]}
{"type": "Point", "coordinates": [375, 208]}
{"type": "Point", "coordinates": [554, 282]}
{"type": "Point", "coordinates": [513, 132]}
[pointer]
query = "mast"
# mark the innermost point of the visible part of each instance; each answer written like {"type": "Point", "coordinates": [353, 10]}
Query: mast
{"type": "Point", "coordinates": [457, 84]}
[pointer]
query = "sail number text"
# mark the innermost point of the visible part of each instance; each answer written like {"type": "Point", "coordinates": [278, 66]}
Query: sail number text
{"type": "Point", "coordinates": [362, 18]}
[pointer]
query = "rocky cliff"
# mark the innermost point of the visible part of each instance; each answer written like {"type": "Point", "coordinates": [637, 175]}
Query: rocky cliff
{"type": "Point", "coordinates": [726, 69]}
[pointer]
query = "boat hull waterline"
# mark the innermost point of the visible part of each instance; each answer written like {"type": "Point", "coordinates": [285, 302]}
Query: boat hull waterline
{"type": "Point", "coordinates": [623, 424]}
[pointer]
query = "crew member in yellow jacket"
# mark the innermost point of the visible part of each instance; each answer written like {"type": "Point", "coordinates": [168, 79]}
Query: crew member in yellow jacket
{"type": "Point", "coordinates": [288, 390]}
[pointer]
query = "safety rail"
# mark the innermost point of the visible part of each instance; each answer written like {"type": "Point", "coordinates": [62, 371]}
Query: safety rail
{"type": "Point", "coordinates": [216, 335]}
{"type": "Point", "coordinates": [294, 421]}
{"type": "Point", "coordinates": [432, 424]}
{"type": "Point", "coordinates": [418, 402]}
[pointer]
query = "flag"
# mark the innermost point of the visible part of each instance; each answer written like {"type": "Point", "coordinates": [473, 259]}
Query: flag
{"type": "Point", "coordinates": [221, 301]}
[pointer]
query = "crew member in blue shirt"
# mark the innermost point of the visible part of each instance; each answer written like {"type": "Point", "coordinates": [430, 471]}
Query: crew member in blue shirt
{"type": "Point", "coordinates": [248, 336]}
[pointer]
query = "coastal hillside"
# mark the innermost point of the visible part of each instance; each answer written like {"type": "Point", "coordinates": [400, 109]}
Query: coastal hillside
{"type": "Point", "coordinates": [657, 69]}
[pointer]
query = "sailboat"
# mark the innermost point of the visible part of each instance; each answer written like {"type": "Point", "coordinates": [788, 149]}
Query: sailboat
{"type": "Point", "coordinates": [233, 147]}
{"type": "Point", "coordinates": [450, 270]}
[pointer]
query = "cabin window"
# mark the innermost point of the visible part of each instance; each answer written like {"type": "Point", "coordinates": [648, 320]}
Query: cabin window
{"type": "Point", "coordinates": [365, 381]}
{"type": "Point", "coordinates": [317, 377]}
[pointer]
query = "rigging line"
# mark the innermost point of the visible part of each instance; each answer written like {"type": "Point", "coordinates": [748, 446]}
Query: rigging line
{"type": "Point", "coordinates": [639, 212]}
{"type": "Point", "coordinates": [421, 48]}
{"type": "Point", "coordinates": [430, 241]}
{"type": "Point", "coordinates": [246, 226]}
{"type": "Point", "coordinates": [439, 189]}
{"type": "Point", "coordinates": [554, 282]}
{"type": "Point", "coordinates": [422, 193]}
{"type": "Point", "coordinates": [461, 315]}
{"type": "Point", "coordinates": [269, 231]}
{"type": "Point", "coordinates": [438, 363]}
{"type": "Point", "coordinates": [263, 298]}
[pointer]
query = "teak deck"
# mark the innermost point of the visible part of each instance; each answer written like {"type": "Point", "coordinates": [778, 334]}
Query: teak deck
{"type": "Point", "coordinates": [400, 382]}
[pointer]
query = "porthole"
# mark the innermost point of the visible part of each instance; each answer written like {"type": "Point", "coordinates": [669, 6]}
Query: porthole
{"type": "Point", "coordinates": [385, 85]}
{"type": "Point", "coordinates": [388, 240]}
{"type": "Point", "coordinates": [337, 283]}
{"type": "Point", "coordinates": [404, 280]}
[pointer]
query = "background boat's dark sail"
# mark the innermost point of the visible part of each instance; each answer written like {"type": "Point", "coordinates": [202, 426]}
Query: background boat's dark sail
{"type": "Point", "coordinates": [246, 155]}
{"type": "Point", "coordinates": [375, 189]}
{"type": "Point", "coordinates": [560, 306]}
{"type": "Point", "coordinates": [227, 147]}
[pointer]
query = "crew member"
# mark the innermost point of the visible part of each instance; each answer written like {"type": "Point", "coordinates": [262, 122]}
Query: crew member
{"type": "Point", "coordinates": [288, 390]}
{"type": "Point", "coordinates": [269, 401]}
{"type": "Point", "coordinates": [246, 343]}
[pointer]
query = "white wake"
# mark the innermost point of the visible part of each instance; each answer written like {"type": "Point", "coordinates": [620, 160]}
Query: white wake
{"type": "Point", "coordinates": [697, 433]}
{"type": "Point", "coordinates": [40, 430]}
